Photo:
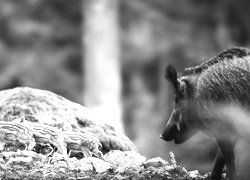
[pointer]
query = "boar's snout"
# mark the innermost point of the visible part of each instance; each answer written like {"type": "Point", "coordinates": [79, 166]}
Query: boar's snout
{"type": "Point", "coordinates": [168, 132]}
{"type": "Point", "coordinates": [176, 129]}
{"type": "Point", "coordinates": [171, 128]}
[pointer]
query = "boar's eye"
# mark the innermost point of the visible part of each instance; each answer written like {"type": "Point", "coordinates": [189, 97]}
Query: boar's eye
{"type": "Point", "coordinates": [188, 85]}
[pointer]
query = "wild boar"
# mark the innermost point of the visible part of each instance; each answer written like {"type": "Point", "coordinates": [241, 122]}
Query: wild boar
{"type": "Point", "coordinates": [222, 80]}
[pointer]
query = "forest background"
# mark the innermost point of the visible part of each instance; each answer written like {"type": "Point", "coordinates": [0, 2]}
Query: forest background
{"type": "Point", "coordinates": [42, 45]}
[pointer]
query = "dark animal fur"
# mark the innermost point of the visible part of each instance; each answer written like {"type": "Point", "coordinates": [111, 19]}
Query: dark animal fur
{"type": "Point", "coordinates": [224, 79]}
{"type": "Point", "coordinates": [228, 54]}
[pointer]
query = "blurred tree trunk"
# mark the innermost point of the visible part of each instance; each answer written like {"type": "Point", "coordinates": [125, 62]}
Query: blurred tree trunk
{"type": "Point", "coordinates": [101, 60]}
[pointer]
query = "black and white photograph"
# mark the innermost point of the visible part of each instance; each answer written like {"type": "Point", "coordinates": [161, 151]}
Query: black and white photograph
{"type": "Point", "coordinates": [124, 89]}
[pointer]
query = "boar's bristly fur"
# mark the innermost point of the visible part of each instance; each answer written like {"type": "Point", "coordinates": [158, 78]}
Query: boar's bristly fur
{"type": "Point", "coordinates": [227, 55]}
{"type": "Point", "coordinates": [199, 92]}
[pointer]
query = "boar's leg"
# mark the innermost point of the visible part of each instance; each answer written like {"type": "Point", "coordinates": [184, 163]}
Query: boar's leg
{"type": "Point", "coordinates": [227, 150]}
{"type": "Point", "coordinates": [218, 166]}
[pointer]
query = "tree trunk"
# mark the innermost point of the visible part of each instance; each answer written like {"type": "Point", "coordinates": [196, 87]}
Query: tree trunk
{"type": "Point", "coordinates": [101, 60]}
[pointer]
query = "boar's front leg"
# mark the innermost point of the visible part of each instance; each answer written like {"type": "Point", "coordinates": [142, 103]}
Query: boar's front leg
{"type": "Point", "coordinates": [227, 150]}
{"type": "Point", "coordinates": [218, 166]}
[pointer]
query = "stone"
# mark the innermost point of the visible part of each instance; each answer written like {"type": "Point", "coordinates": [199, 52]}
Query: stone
{"type": "Point", "coordinates": [19, 160]}
{"type": "Point", "coordinates": [44, 107]}
{"type": "Point", "coordinates": [194, 173]}
{"type": "Point", "coordinates": [124, 159]}
{"type": "Point", "coordinates": [35, 157]}
{"type": "Point", "coordinates": [99, 165]}
{"type": "Point", "coordinates": [83, 165]}
{"type": "Point", "coordinates": [155, 162]}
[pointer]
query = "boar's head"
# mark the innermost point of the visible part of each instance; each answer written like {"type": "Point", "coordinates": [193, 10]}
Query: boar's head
{"type": "Point", "coordinates": [184, 119]}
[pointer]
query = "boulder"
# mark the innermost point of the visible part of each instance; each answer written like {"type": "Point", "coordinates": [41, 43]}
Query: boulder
{"type": "Point", "coordinates": [51, 109]}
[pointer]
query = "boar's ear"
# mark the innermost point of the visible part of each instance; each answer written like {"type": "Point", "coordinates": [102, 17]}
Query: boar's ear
{"type": "Point", "coordinates": [171, 75]}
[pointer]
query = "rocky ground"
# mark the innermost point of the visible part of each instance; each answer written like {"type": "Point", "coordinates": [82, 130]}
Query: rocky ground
{"type": "Point", "coordinates": [117, 165]}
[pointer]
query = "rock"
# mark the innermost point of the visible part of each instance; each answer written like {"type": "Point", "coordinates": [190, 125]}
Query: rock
{"type": "Point", "coordinates": [30, 165]}
{"type": "Point", "coordinates": [20, 163]}
{"type": "Point", "coordinates": [170, 168]}
{"type": "Point", "coordinates": [194, 174]}
{"type": "Point", "coordinates": [80, 165]}
{"type": "Point", "coordinates": [6, 156]}
{"type": "Point", "coordinates": [54, 110]}
{"type": "Point", "coordinates": [123, 159]}
{"type": "Point", "coordinates": [90, 164]}
{"type": "Point", "coordinates": [21, 160]}
{"type": "Point", "coordinates": [155, 162]}
{"type": "Point", "coordinates": [99, 165]}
